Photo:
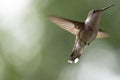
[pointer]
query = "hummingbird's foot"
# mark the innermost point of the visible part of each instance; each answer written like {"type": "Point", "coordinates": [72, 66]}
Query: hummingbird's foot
{"type": "Point", "coordinates": [85, 43]}
{"type": "Point", "coordinates": [88, 44]}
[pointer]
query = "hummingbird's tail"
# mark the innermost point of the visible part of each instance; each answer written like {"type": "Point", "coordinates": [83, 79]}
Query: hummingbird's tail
{"type": "Point", "coordinates": [76, 53]}
{"type": "Point", "coordinates": [77, 50]}
{"type": "Point", "coordinates": [74, 57]}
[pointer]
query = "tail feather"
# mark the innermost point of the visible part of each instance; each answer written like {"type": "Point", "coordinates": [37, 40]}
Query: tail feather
{"type": "Point", "coordinates": [74, 58]}
{"type": "Point", "coordinates": [76, 52]}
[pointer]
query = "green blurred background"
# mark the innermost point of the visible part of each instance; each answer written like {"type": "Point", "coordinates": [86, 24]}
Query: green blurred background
{"type": "Point", "coordinates": [33, 48]}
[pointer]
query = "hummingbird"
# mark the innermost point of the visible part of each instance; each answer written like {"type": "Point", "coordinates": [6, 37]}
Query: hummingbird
{"type": "Point", "coordinates": [85, 32]}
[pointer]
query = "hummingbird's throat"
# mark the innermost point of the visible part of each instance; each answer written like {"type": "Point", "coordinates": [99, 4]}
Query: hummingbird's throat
{"type": "Point", "coordinates": [87, 20]}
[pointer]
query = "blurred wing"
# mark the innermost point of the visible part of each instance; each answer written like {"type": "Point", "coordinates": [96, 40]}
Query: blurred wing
{"type": "Point", "coordinates": [102, 34]}
{"type": "Point", "coordinates": [68, 25]}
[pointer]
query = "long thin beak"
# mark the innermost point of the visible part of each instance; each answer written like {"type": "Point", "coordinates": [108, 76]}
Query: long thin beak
{"type": "Point", "coordinates": [103, 9]}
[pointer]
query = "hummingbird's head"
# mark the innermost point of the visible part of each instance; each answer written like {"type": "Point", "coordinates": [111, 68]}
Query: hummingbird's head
{"type": "Point", "coordinates": [98, 11]}
{"type": "Point", "coordinates": [93, 15]}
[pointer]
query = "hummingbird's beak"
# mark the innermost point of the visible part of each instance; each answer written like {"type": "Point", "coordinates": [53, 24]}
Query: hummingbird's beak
{"type": "Point", "coordinates": [103, 9]}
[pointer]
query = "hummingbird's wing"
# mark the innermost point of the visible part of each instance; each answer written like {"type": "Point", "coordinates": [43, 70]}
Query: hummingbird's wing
{"type": "Point", "coordinates": [68, 25]}
{"type": "Point", "coordinates": [102, 34]}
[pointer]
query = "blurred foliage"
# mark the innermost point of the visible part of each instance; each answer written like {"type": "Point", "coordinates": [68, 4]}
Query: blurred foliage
{"type": "Point", "coordinates": [44, 48]}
